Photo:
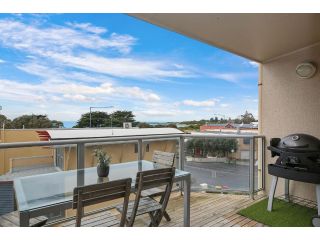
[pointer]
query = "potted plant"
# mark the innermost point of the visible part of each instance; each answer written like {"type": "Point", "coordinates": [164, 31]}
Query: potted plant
{"type": "Point", "coordinates": [103, 160]}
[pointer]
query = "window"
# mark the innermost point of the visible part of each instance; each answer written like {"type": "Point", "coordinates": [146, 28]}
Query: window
{"type": "Point", "coordinates": [246, 141]}
{"type": "Point", "coordinates": [136, 148]}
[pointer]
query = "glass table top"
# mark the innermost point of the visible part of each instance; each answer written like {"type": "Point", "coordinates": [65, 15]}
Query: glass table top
{"type": "Point", "coordinates": [38, 191]}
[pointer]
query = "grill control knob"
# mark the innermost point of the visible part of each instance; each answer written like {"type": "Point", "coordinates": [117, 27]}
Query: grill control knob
{"type": "Point", "coordinates": [295, 138]}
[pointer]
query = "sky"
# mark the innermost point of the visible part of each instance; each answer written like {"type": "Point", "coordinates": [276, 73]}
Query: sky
{"type": "Point", "coordinates": [62, 64]}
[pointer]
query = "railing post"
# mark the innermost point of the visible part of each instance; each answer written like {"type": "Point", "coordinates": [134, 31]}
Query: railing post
{"type": "Point", "coordinates": [181, 153]}
{"type": "Point", "coordinates": [80, 156]}
{"type": "Point", "coordinates": [251, 167]}
{"type": "Point", "coordinates": [140, 150]}
{"type": "Point", "coordinates": [80, 164]}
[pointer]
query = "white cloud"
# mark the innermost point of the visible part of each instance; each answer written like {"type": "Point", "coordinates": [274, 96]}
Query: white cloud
{"type": "Point", "coordinates": [71, 46]}
{"type": "Point", "coordinates": [162, 113]}
{"type": "Point", "coordinates": [253, 63]}
{"type": "Point", "coordinates": [235, 77]}
{"type": "Point", "coordinates": [224, 105]}
{"type": "Point", "coordinates": [230, 77]}
{"type": "Point", "coordinates": [78, 97]}
{"type": "Point", "coordinates": [88, 27]}
{"type": "Point", "coordinates": [2, 61]}
{"type": "Point", "coordinates": [41, 40]}
{"type": "Point", "coordinates": [158, 113]}
{"type": "Point", "coordinates": [48, 90]}
{"type": "Point", "coordinates": [193, 103]}
{"type": "Point", "coordinates": [58, 73]}
{"type": "Point", "coordinates": [120, 67]}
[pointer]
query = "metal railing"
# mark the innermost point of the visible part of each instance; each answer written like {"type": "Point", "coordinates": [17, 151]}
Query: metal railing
{"type": "Point", "coordinates": [80, 143]}
{"type": "Point", "coordinates": [252, 150]}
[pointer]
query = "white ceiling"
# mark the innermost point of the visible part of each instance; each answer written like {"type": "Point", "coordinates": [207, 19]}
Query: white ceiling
{"type": "Point", "coordinates": [259, 37]}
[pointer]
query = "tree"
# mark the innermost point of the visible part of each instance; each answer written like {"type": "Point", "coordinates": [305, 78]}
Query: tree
{"type": "Point", "coordinates": [98, 119]}
{"type": "Point", "coordinates": [119, 117]}
{"type": "Point", "coordinates": [172, 125]}
{"type": "Point", "coordinates": [219, 147]}
{"type": "Point", "coordinates": [144, 125]}
{"type": "Point", "coordinates": [247, 117]}
{"type": "Point", "coordinates": [103, 119]}
{"type": "Point", "coordinates": [31, 121]}
{"type": "Point", "coordinates": [57, 124]}
{"type": "Point", "coordinates": [4, 121]}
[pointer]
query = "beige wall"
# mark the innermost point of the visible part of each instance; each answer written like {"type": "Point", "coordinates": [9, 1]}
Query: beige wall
{"type": "Point", "coordinates": [123, 152]}
{"type": "Point", "coordinates": [22, 135]}
{"type": "Point", "coordinates": [119, 153]}
{"type": "Point", "coordinates": [289, 105]}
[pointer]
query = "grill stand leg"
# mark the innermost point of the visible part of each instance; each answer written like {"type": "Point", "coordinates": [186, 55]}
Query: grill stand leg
{"type": "Point", "coordinates": [316, 219]}
{"type": "Point", "coordinates": [318, 197]}
{"type": "Point", "coordinates": [272, 192]}
{"type": "Point", "coordinates": [286, 190]}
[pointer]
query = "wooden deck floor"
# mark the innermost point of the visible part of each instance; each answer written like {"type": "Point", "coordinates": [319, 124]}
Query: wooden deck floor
{"type": "Point", "coordinates": [207, 210]}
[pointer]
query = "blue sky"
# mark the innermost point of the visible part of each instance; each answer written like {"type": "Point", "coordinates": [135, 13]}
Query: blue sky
{"type": "Point", "coordinates": [61, 64]}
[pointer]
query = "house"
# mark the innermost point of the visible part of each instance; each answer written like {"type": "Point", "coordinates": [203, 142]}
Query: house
{"type": "Point", "coordinates": [64, 157]}
{"type": "Point", "coordinates": [230, 128]}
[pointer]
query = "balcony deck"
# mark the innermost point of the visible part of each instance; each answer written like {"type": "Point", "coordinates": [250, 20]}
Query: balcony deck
{"type": "Point", "coordinates": [207, 210]}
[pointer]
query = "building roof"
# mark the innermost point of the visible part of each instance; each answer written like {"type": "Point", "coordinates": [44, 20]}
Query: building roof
{"type": "Point", "coordinates": [234, 125]}
{"type": "Point", "coordinates": [59, 134]}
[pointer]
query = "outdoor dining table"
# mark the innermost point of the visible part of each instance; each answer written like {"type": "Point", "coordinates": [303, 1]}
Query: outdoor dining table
{"type": "Point", "coordinates": [47, 193]}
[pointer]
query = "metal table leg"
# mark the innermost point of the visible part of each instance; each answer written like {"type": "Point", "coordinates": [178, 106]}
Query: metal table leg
{"type": "Point", "coordinates": [272, 192]}
{"type": "Point", "coordinates": [24, 219]}
{"type": "Point", "coordinates": [186, 201]}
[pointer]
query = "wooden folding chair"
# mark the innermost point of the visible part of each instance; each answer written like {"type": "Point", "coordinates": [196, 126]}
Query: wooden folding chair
{"type": "Point", "coordinates": [100, 193]}
{"type": "Point", "coordinates": [146, 205]}
{"type": "Point", "coordinates": [163, 159]}
{"type": "Point", "coordinates": [160, 159]}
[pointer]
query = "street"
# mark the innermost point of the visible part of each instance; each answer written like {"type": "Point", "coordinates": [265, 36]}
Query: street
{"type": "Point", "coordinates": [220, 175]}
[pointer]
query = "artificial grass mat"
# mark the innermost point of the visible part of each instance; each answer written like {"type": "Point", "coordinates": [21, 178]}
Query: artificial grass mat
{"type": "Point", "coordinates": [284, 214]}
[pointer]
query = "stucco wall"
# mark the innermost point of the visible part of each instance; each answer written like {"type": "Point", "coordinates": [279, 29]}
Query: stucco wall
{"type": "Point", "coordinates": [119, 153]}
{"type": "Point", "coordinates": [22, 135]}
{"type": "Point", "coordinates": [289, 105]}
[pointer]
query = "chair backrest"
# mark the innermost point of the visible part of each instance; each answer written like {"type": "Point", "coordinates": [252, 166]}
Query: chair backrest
{"type": "Point", "coordinates": [163, 158]}
{"type": "Point", "coordinates": [101, 192]}
{"type": "Point", "coordinates": [151, 179]}
{"type": "Point", "coordinates": [6, 197]}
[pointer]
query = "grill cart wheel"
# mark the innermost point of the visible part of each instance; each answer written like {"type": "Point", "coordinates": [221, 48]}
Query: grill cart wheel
{"type": "Point", "coordinates": [316, 221]}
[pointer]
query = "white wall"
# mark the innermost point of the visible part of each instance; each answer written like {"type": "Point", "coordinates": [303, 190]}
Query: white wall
{"type": "Point", "coordinates": [289, 105]}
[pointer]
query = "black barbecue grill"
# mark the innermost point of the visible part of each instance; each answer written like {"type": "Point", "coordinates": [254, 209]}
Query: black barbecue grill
{"type": "Point", "coordinates": [298, 160]}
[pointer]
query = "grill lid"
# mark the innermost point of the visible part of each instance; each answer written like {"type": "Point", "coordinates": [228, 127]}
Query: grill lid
{"type": "Point", "coordinates": [303, 142]}
{"type": "Point", "coordinates": [295, 143]}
